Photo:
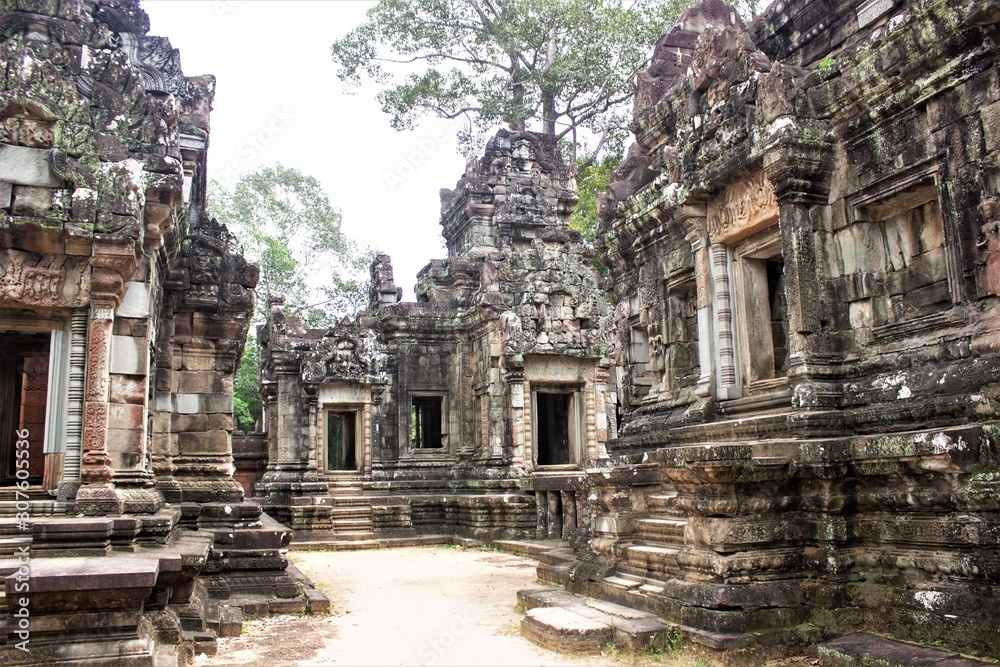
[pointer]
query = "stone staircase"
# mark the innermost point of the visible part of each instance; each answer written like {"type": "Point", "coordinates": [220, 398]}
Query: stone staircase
{"type": "Point", "coordinates": [347, 518]}
{"type": "Point", "coordinates": [350, 510]}
{"type": "Point", "coordinates": [42, 504]}
{"type": "Point", "coordinates": [651, 558]}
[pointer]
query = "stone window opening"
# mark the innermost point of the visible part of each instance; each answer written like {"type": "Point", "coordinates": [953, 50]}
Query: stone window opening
{"type": "Point", "coordinates": [556, 426]}
{"type": "Point", "coordinates": [24, 380]}
{"type": "Point", "coordinates": [763, 315]}
{"type": "Point", "coordinates": [341, 440]}
{"type": "Point", "coordinates": [427, 422]}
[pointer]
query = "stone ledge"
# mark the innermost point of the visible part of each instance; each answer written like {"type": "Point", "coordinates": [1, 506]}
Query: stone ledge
{"type": "Point", "coordinates": [861, 649]}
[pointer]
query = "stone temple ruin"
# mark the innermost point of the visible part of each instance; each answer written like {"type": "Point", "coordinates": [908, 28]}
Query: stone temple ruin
{"type": "Point", "coordinates": [438, 415]}
{"type": "Point", "coordinates": [123, 313]}
{"type": "Point", "coordinates": [774, 422]}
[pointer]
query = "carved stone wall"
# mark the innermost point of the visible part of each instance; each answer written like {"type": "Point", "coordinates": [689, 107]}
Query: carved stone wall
{"type": "Point", "coordinates": [826, 177]}
{"type": "Point", "coordinates": [109, 264]}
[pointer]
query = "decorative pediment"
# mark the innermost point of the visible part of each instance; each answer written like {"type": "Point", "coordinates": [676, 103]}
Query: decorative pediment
{"type": "Point", "coordinates": [346, 353]}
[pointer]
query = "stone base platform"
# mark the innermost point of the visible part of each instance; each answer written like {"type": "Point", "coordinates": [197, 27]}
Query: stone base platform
{"type": "Point", "coordinates": [562, 621]}
{"type": "Point", "coordinates": [861, 649]}
{"type": "Point", "coordinates": [321, 541]}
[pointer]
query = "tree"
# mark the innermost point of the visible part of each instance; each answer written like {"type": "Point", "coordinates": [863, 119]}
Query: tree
{"type": "Point", "coordinates": [564, 67]}
{"type": "Point", "coordinates": [288, 227]}
{"type": "Point", "coordinates": [247, 404]}
{"type": "Point", "coordinates": [591, 181]}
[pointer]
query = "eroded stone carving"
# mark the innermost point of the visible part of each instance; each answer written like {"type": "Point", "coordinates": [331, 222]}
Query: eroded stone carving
{"type": "Point", "coordinates": [30, 279]}
{"type": "Point", "coordinates": [742, 209]}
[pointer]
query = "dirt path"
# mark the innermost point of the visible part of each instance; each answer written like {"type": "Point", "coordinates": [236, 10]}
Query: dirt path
{"type": "Point", "coordinates": [415, 606]}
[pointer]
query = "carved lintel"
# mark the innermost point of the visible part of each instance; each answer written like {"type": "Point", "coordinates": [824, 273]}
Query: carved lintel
{"type": "Point", "coordinates": [30, 279]}
{"type": "Point", "coordinates": [743, 208]}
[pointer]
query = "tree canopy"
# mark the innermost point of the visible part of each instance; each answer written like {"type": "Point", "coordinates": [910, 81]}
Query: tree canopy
{"type": "Point", "coordinates": [287, 226]}
{"type": "Point", "coordinates": [564, 67]}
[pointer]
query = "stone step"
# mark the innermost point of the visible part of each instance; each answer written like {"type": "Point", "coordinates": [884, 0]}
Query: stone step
{"type": "Point", "coordinates": [561, 621]}
{"type": "Point", "coordinates": [662, 503]}
{"type": "Point", "coordinates": [659, 562]}
{"type": "Point", "coordinates": [635, 582]}
{"type": "Point", "coordinates": [337, 498]}
{"type": "Point", "coordinates": [328, 543]}
{"type": "Point", "coordinates": [40, 507]}
{"type": "Point", "coordinates": [348, 502]}
{"type": "Point", "coordinates": [350, 512]}
{"type": "Point", "coordinates": [352, 525]}
{"type": "Point", "coordinates": [553, 574]}
{"type": "Point", "coordinates": [662, 531]}
{"type": "Point", "coordinates": [556, 556]}
{"type": "Point", "coordinates": [531, 549]}
{"type": "Point", "coordinates": [861, 649]}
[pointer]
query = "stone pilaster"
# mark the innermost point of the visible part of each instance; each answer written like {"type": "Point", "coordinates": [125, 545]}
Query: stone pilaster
{"type": "Point", "coordinates": [797, 163]}
{"type": "Point", "coordinates": [111, 260]}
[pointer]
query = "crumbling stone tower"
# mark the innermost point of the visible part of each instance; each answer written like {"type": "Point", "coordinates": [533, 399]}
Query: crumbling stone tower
{"type": "Point", "coordinates": [458, 405]}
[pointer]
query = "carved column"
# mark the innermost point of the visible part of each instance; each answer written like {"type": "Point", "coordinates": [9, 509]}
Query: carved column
{"type": "Point", "coordinates": [727, 385]}
{"type": "Point", "coordinates": [97, 497]}
{"type": "Point", "coordinates": [75, 404]}
{"type": "Point", "coordinates": [315, 414]}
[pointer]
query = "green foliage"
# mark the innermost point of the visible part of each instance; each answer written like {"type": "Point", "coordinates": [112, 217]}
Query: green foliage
{"type": "Point", "coordinates": [825, 64]}
{"type": "Point", "coordinates": [560, 66]}
{"type": "Point", "coordinates": [247, 404]}
{"type": "Point", "coordinates": [592, 181]}
{"type": "Point", "coordinates": [288, 227]}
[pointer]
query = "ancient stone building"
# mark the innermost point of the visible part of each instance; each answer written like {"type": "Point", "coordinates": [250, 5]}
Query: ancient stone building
{"type": "Point", "coordinates": [456, 412]}
{"type": "Point", "coordinates": [123, 311]}
{"type": "Point", "coordinates": [803, 246]}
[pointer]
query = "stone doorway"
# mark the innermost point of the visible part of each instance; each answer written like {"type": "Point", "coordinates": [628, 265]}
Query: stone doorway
{"type": "Point", "coordinates": [341, 440]}
{"type": "Point", "coordinates": [552, 412]}
{"type": "Point", "coordinates": [24, 376]}
{"type": "Point", "coordinates": [762, 313]}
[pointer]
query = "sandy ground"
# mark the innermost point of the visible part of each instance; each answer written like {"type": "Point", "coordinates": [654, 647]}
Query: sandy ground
{"type": "Point", "coordinates": [412, 606]}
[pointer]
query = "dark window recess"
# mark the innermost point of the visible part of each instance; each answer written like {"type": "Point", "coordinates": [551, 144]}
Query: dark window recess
{"type": "Point", "coordinates": [553, 428]}
{"type": "Point", "coordinates": [340, 441]}
{"type": "Point", "coordinates": [779, 314]}
{"type": "Point", "coordinates": [425, 422]}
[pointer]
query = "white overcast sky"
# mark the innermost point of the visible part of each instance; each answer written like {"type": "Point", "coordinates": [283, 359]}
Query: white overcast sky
{"type": "Point", "coordinates": [278, 100]}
